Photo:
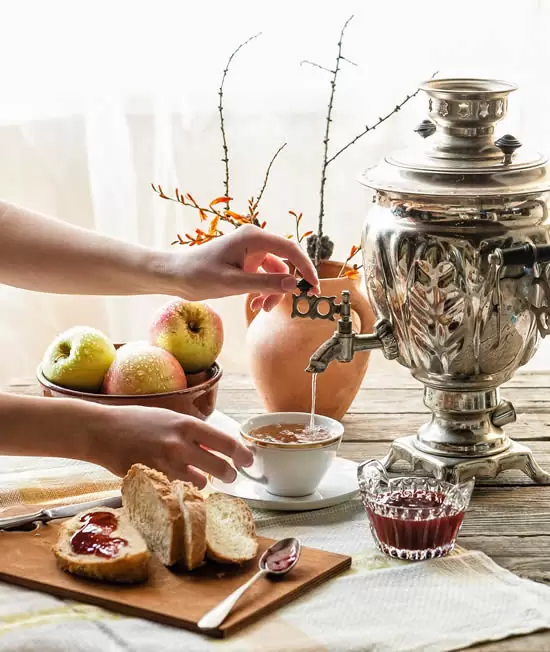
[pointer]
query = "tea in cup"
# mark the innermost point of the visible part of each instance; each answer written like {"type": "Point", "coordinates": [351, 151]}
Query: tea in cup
{"type": "Point", "coordinates": [290, 458]}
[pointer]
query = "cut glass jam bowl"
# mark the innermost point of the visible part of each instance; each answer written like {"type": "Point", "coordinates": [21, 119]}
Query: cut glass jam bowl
{"type": "Point", "coordinates": [412, 517]}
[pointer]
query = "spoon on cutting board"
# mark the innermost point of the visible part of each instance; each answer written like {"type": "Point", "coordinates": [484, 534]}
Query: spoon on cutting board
{"type": "Point", "coordinates": [278, 559]}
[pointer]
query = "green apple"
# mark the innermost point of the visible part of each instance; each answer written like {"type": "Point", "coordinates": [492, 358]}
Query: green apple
{"type": "Point", "coordinates": [191, 331]}
{"type": "Point", "coordinates": [79, 359]}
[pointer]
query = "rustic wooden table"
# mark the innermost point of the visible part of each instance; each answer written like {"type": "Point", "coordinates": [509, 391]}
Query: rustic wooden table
{"type": "Point", "coordinates": [509, 517]}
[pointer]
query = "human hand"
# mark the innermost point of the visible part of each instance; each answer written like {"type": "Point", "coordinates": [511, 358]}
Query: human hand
{"type": "Point", "coordinates": [173, 443]}
{"type": "Point", "coordinates": [247, 260]}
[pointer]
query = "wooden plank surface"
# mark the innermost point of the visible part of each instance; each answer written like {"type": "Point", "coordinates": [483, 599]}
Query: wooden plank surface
{"type": "Point", "coordinates": [170, 597]}
{"type": "Point", "coordinates": [509, 517]}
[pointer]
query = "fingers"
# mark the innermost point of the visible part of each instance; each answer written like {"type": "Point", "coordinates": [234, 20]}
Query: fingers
{"type": "Point", "coordinates": [276, 245]}
{"type": "Point", "coordinates": [218, 441]}
{"type": "Point", "coordinates": [242, 282]}
{"type": "Point", "coordinates": [212, 464]}
{"type": "Point", "coordinates": [265, 303]}
{"type": "Point", "coordinates": [271, 302]}
{"type": "Point", "coordinates": [192, 475]}
{"type": "Point", "coordinates": [175, 467]}
{"type": "Point", "coordinates": [274, 265]}
{"type": "Point", "coordinates": [186, 460]}
{"type": "Point", "coordinates": [189, 474]}
{"type": "Point", "coordinates": [257, 303]}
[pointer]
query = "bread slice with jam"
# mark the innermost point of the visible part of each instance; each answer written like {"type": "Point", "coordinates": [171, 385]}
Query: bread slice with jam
{"type": "Point", "coordinates": [102, 544]}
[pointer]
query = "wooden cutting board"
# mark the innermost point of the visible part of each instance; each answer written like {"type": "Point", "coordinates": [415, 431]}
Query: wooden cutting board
{"type": "Point", "coordinates": [176, 598]}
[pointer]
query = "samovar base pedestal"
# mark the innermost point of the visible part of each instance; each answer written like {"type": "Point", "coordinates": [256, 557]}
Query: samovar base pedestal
{"type": "Point", "coordinates": [459, 469]}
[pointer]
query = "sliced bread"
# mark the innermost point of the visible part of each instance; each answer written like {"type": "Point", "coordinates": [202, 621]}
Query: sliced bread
{"type": "Point", "coordinates": [102, 547]}
{"type": "Point", "coordinates": [154, 510]}
{"type": "Point", "coordinates": [191, 503]}
{"type": "Point", "coordinates": [230, 530]}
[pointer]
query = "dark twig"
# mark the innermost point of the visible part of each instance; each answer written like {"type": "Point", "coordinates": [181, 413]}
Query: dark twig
{"type": "Point", "coordinates": [372, 127]}
{"type": "Point", "coordinates": [316, 65]}
{"type": "Point", "coordinates": [397, 108]}
{"type": "Point", "coordinates": [225, 158]}
{"type": "Point", "coordinates": [325, 142]}
{"type": "Point", "coordinates": [268, 171]}
{"type": "Point", "coordinates": [349, 61]}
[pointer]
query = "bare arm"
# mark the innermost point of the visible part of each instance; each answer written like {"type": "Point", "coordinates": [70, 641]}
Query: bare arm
{"type": "Point", "coordinates": [38, 426]}
{"type": "Point", "coordinates": [117, 437]}
{"type": "Point", "coordinates": [47, 255]}
{"type": "Point", "coordinates": [44, 254]}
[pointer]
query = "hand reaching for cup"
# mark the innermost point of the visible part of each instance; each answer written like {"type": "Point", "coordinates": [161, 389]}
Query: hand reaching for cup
{"type": "Point", "coordinates": [180, 446]}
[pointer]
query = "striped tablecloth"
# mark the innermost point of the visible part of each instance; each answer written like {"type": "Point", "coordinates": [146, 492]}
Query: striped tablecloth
{"type": "Point", "coordinates": [379, 604]}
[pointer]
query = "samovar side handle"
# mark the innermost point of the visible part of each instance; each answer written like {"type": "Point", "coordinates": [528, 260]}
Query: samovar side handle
{"type": "Point", "coordinates": [345, 342]}
{"type": "Point", "coordinates": [532, 256]}
{"type": "Point", "coordinates": [526, 254]}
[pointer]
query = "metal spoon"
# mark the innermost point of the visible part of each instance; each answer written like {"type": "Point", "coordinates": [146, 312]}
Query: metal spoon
{"type": "Point", "coordinates": [279, 559]}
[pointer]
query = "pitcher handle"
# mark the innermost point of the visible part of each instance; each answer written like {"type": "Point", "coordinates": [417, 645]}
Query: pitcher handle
{"type": "Point", "coordinates": [361, 305]}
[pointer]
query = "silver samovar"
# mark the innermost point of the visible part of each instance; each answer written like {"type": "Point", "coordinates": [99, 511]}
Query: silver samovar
{"type": "Point", "coordinates": [454, 249]}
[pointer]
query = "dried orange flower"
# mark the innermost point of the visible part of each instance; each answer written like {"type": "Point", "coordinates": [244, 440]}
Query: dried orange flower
{"type": "Point", "coordinates": [298, 218]}
{"type": "Point", "coordinates": [352, 273]}
{"type": "Point", "coordinates": [220, 200]}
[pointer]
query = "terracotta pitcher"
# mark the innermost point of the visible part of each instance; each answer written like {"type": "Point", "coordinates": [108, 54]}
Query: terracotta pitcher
{"type": "Point", "coordinates": [279, 348]}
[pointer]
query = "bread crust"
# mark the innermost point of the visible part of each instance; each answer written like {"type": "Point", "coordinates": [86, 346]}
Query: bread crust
{"type": "Point", "coordinates": [164, 492]}
{"type": "Point", "coordinates": [188, 520]}
{"type": "Point", "coordinates": [128, 567]}
{"type": "Point", "coordinates": [212, 550]}
{"type": "Point", "coordinates": [128, 570]}
{"type": "Point", "coordinates": [191, 503]}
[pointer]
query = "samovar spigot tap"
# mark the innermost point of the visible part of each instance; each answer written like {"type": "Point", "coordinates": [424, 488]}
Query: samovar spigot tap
{"type": "Point", "coordinates": [345, 342]}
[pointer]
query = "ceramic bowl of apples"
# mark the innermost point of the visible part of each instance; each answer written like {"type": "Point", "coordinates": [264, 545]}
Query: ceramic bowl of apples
{"type": "Point", "coordinates": [174, 368]}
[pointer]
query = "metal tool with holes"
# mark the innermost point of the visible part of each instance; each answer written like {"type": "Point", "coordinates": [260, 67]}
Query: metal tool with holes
{"type": "Point", "coordinates": [455, 249]}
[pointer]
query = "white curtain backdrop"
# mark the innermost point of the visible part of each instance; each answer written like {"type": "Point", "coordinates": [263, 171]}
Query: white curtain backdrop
{"type": "Point", "coordinates": [99, 99]}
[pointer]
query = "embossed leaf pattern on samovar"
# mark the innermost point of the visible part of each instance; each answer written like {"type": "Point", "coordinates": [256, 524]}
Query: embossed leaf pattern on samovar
{"type": "Point", "coordinates": [435, 303]}
{"type": "Point", "coordinates": [445, 306]}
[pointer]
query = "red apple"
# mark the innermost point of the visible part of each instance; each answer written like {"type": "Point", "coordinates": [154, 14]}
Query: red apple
{"type": "Point", "coordinates": [140, 368]}
{"type": "Point", "coordinates": [191, 331]}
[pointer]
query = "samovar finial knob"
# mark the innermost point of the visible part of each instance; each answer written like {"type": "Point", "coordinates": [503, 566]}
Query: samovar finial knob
{"type": "Point", "coordinates": [508, 145]}
{"type": "Point", "coordinates": [426, 128]}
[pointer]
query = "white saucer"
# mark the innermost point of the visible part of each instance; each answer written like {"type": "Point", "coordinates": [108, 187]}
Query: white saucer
{"type": "Point", "coordinates": [339, 485]}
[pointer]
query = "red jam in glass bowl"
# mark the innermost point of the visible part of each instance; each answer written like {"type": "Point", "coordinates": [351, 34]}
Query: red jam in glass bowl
{"type": "Point", "coordinates": [411, 517]}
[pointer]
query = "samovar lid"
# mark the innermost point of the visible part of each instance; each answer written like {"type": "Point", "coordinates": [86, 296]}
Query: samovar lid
{"type": "Point", "coordinates": [460, 155]}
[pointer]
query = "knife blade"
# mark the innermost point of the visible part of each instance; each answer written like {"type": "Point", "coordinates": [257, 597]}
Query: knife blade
{"type": "Point", "coordinates": [45, 515]}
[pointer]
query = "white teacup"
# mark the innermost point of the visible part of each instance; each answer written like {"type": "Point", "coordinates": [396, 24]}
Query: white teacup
{"type": "Point", "coordinates": [290, 469]}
